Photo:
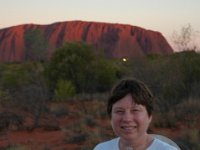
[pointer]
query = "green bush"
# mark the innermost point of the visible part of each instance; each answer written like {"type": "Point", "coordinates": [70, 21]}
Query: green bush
{"type": "Point", "coordinates": [64, 90]}
{"type": "Point", "coordinates": [4, 97]}
{"type": "Point", "coordinates": [77, 62]}
{"type": "Point", "coordinates": [188, 112]}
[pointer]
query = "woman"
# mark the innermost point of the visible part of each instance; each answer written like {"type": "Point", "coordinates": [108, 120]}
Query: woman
{"type": "Point", "coordinates": [130, 107]}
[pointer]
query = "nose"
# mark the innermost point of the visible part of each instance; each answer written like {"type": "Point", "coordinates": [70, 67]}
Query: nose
{"type": "Point", "coordinates": [127, 117]}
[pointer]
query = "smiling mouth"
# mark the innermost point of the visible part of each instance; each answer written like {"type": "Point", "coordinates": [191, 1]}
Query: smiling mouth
{"type": "Point", "coordinates": [128, 128]}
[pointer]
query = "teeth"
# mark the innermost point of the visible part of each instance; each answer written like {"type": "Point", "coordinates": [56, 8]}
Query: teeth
{"type": "Point", "coordinates": [129, 128]}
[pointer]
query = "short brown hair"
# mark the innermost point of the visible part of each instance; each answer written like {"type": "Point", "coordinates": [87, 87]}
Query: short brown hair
{"type": "Point", "coordinates": [138, 90]}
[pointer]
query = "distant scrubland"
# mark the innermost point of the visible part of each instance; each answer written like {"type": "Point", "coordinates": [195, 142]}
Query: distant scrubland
{"type": "Point", "coordinates": [75, 83]}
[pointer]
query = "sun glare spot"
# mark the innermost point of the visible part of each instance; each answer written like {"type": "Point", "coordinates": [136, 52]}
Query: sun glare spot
{"type": "Point", "coordinates": [124, 59]}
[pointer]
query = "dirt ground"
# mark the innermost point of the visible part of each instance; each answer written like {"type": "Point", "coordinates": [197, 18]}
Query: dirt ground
{"type": "Point", "coordinates": [58, 133]}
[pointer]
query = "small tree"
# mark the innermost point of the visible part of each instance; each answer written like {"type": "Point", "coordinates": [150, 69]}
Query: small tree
{"type": "Point", "coordinates": [77, 62]}
{"type": "Point", "coordinates": [186, 39]}
{"type": "Point", "coordinates": [71, 62]}
{"type": "Point", "coordinates": [36, 45]}
{"type": "Point", "coordinates": [24, 87]}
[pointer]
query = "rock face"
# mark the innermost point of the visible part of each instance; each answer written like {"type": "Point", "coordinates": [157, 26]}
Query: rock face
{"type": "Point", "coordinates": [115, 40]}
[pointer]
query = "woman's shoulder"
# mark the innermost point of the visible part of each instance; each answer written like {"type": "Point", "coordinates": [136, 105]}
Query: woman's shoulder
{"type": "Point", "coordinates": [108, 145]}
{"type": "Point", "coordinates": [158, 144]}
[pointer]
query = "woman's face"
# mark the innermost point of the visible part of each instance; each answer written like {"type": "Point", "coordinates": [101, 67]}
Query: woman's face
{"type": "Point", "coordinates": [129, 121]}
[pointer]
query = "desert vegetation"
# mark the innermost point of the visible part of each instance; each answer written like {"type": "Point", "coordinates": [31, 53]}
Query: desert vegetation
{"type": "Point", "coordinates": [65, 96]}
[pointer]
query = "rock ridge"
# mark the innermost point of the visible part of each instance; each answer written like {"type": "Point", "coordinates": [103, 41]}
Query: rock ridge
{"type": "Point", "coordinates": [115, 40]}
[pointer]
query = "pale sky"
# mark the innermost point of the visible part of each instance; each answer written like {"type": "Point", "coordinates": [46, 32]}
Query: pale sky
{"type": "Point", "coordinates": [165, 16]}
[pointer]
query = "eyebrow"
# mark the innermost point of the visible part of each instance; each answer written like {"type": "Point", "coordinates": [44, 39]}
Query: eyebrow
{"type": "Point", "coordinates": [134, 106]}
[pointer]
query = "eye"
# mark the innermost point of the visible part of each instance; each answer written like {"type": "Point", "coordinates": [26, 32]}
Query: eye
{"type": "Point", "coordinates": [119, 111]}
{"type": "Point", "coordinates": [135, 110]}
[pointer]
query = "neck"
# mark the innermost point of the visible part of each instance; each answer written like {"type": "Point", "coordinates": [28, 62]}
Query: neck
{"type": "Point", "coordinates": [139, 144]}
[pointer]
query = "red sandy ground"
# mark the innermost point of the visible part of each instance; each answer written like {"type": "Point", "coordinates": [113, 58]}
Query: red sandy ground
{"type": "Point", "coordinates": [55, 140]}
{"type": "Point", "coordinates": [41, 139]}
{"type": "Point", "coordinates": [37, 139]}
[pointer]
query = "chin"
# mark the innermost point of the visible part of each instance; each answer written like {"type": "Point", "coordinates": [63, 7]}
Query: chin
{"type": "Point", "coordinates": [128, 137]}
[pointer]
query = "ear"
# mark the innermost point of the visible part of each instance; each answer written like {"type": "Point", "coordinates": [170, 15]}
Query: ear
{"type": "Point", "coordinates": [111, 123]}
{"type": "Point", "coordinates": [150, 118]}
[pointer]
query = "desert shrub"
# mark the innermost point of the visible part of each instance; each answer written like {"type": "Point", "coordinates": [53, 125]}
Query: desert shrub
{"type": "Point", "coordinates": [36, 45]}
{"type": "Point", "coordinates": [51, 126]}
{"type": "Point", "coordinates": [90, 121]}
{"type": "Point", "coordinates": [188, 112]}
{"type": "Point", "coordinates": [166, 120]}
{"type": "Point", "coordinates": [70, 62]}
{"type": "Point", "coordinates": [97, 108]}
{"type": "Point", "coordinates": [13, 76]}
{"type": "Point", "coordinates": [77, 62]}
{"type": "Point", "coordinates": [64, 90]}
{"type": "Point", "coordinates": [60, 111]}
{"type": "Point", "coordinates": [104, 75]}
{"type": "Point", "coordinates": [189, 140]}
{"type": "Point", "coordinates": [9, 120]}
{"type": "Point", "coordinates": [16, 78]}
{"type": "Point", "coordinates": [78, 138]}
{"type": "Point", "coordinates": [172, 78]}
{"type": "Point", "coordinates": [77, 126]}
{"type": "Point", "coordinates": [16, 147]}
{"type": "Point", "coordinates": [4, 97]}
